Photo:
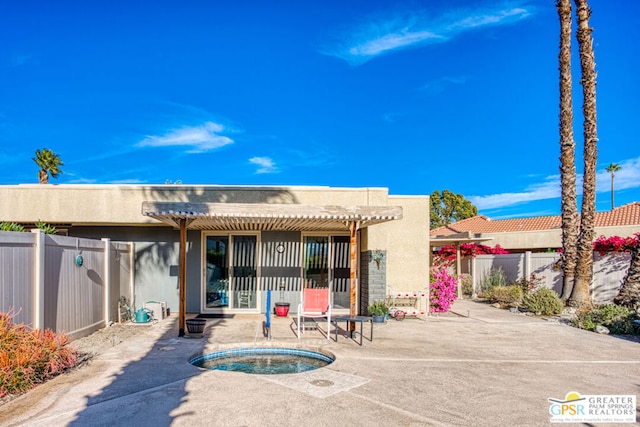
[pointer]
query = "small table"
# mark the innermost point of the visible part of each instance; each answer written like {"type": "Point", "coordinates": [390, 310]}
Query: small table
{"type": "Point", "coordinates": [359, 319]}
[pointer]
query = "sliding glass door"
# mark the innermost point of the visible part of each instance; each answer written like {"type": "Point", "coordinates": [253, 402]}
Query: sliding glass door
{"type": "Point", "coordinates": [327, 264]}
{"type": "Point", "coordinates": [217, 272]}
{"type": "Point", "coordinates": [231, 277]}
{"type": "Point", "coordinates": [340, 271]}
{"type": "Point", "coordinates": [244, 280]}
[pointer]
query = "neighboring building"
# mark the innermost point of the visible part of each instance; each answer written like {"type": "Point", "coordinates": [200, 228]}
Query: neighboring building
{"type": "Point", "coordinates": [536, 234]}
{"type": "Point", "coordinates": [243, 240]}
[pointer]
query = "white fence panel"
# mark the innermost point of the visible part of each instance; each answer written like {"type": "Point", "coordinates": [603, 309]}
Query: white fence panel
{"type": "Point", "coordinates": [17, 255]}
{"type": "Point", "coordinates": [74, 295]}
{"type": "Point", "coordinates": [41, 281]}
{"type": "Point", "coordinates": [608, 271]}
{"type": "Point", "coordinates": [545, 266]}
{"type": "Point", "coordinates": [121, 274]}
{"type": "Point", "coordinates": [511, 264]}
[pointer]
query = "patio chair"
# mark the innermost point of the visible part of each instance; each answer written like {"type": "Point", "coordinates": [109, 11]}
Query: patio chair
{"type": "Point", "coordinates": [244, 299]}
{"type": "Point", "coordinates": [315, 304]}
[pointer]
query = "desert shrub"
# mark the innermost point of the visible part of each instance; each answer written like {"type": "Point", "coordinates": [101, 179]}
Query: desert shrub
{"type": "Point", "coordinates": [466, 282]}
{"type": "Point", "coordinates": [443, 290]}
{"type": "Point", "coordinates": [618, 319]}
{"type": "Point", "coordinates": [506, 295]}
{"type": "Point", "coordinates": [495, 277]}
{"type": "Point", "coordinates": [529, 285]}
{"type": "Point", "coordinates": [544, 301]}
{"type": "Point", "coordinates": [30, 356]}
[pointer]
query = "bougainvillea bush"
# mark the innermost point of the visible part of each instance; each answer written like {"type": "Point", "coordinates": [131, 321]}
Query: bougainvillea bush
{"type": "Point", "coordinates": [603, 244]}
{"type": "Point", "coordinates": [446, 255]}
{"type": "Point", "coordinates": [30, 356]}
{"type": "Point", "coordinates": [443, 290]}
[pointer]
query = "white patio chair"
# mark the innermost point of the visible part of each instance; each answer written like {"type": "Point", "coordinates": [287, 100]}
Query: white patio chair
{"type": "Point", "coordinates": [315, 304]}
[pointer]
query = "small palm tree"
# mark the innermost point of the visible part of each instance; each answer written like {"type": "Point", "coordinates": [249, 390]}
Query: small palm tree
{"type": "Point", "coordinates": [612, 169]}
{"type": "Point", "coordinates": [49, 163]}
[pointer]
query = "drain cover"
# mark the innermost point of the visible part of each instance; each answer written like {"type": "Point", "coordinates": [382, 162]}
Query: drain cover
{"type": "Point", "coordinates": [322, 383]}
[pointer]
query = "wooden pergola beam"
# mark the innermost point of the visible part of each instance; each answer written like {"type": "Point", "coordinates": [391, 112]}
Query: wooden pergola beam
{"type": "Point", "coordinates": [353, 272]}
{"type": "Point", "coordinates": [182, 277]}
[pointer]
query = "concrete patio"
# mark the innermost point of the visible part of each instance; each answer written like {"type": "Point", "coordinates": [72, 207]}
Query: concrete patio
{"type": "Point", "coordinates": [483, 367]}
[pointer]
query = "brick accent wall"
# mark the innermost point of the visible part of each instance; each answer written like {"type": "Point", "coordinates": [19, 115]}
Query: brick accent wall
{"type": "Point", "coordinates": [373, 279]}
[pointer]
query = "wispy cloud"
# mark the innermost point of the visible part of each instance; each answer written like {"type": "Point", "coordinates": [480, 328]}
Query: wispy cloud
{"type": "Point", "coordinates": [266, 165]}
{"type": "Point", "coordinates": [627, 177]}
{"type": "Point", "coordinates": [415, 29]}
{"type": "Point", "coordinates": [549, 189]}
{"type": "Point", "coordinates": [437, 86]}
{"type": "Point", "coordinates": [200, 138]}
{"type": "Point", "coordinates": [24, 59]}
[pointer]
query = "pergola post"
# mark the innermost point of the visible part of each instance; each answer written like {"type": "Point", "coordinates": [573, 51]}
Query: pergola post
{"type": "Point", "coordinates": [353, 262]}
{"type": "Point", "coordinates": [182, 277]}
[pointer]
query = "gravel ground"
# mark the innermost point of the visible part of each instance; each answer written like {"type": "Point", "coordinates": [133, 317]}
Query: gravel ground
{"type": "Point", "coordinates": [105, 338]}
{"type": "Point", "coordinates": [97, 343]}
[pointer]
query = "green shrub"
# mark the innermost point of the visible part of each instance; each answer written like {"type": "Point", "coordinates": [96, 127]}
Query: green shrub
{"type": "Point", "coordinates": [495, 277]}
{"type": "Point", "coordinates": [30, 356]}
{"type": "Point", "coordinates": [506, 295]}
{"type": "Point", "coordinates": [11, 226]}
{"type": "Point", "coordinates": [544, 301]}
{"type": "Point", "coordinates": [618, 319]}
{"type": "Point", "coordinates": [46, 228]}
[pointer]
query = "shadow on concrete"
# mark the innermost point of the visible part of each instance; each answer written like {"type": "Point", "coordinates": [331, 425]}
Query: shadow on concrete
{"type": "Point", "coordinates": [147, 390]}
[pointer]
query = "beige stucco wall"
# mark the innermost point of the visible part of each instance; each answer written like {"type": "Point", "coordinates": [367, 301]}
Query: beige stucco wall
{"type": "Point", "coordinates": [407, 244]}
{"type": "Point", "coordinates": [121, 204]}
{"type": "Point", "coordinates": [525, 239]}
{"type": "Point", "coordinates": [541, 240]}
{"type": "Point", "coordinates": [626, 231]}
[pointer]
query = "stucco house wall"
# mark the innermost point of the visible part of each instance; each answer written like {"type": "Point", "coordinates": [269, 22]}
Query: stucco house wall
{"type": "Point", "coordinates": [114, 211]}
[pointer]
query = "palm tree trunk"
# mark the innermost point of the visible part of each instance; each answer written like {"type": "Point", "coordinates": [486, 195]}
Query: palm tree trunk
{"type": "Point", "coordinates": [629, 294]}
{"type": "Point", "coordinates": [613, 176]}
{"type": "Point", "coordinates": [567, 153]}
{"type": "Point", "coordinates": [43, 176]}
{"type": "Point", "coordinates": [580, 295]}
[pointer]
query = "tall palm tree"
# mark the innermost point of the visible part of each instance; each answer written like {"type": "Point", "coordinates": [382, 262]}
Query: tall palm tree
{"type": "Point", "coordinates": [580, 294]}
{"type": "Point", "coordinates": [49, 163]}
{"type": "Point", "coordinates": [612, 169]}
{"type": "Point", "coordinates": [567, 153]}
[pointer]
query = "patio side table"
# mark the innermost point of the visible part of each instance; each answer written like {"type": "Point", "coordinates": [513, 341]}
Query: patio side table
{"type": "Point", "coordinates": [358, 319]}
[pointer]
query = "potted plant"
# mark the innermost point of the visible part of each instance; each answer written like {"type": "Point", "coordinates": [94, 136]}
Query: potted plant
{"type": "Point", "coordinates": [379, 309]}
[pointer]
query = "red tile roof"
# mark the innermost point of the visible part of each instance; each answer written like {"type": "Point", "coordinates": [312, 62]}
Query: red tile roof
{"type": "Point", "coordinates": [624, 215]}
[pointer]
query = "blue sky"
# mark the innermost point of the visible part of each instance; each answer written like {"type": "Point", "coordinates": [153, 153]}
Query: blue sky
{"type": "Point", "coordinates": [415, 96]}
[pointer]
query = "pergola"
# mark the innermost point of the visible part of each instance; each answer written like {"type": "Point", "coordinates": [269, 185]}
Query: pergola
{"type": "Point", "coordinates": [272, 217]}
{"type": "Point", "coordinates": [457, 239]}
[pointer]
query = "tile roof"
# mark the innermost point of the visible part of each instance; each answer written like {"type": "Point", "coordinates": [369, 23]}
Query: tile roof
{"type": "Point", "coordinates": [628, 214]}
